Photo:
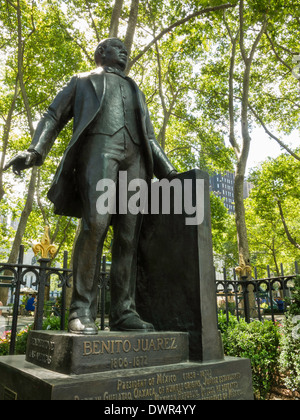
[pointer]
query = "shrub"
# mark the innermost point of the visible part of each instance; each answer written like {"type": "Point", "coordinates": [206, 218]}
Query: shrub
{"type": "Point", "coordinates": [257, 341]}
{"type": "Point", "coordinates": [4, 344]}
{"type": "Point", "coordinates": [52, 323]}
{"type": "Point", "coordinates": [21, 342]}
{"type": "Point", "coordinates": [290, 342]}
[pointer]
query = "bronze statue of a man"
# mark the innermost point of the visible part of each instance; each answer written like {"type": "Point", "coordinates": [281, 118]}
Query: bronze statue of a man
{"type": "Point", "coordinates": [112, 132]}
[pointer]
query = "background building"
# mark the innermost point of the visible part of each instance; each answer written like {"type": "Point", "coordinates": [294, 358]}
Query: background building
{"type": "Point", "coordinates": [223, 186]}
{"type": "Point", "coordinates": [247, 188]}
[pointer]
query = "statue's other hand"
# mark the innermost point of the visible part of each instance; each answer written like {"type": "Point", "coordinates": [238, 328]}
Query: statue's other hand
{"type": "Point", "coordinates": [172, 175]}
{"type": "Point", "coordinates": [22, 161]}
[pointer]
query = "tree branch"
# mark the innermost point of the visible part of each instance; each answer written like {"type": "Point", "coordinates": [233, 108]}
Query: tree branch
{"type": "Point", "coordinates": [92, 20]}
{"type": "Point", "coordinates": [21, 46]}
{"type": "Point", "coordinates": [276, 53]}
{"type": "Point", "coordinates": [258, 38]}
{"type": "Point", "coordinates": [283, 145]}
{"type": "Point", "coordinates": [39, 201]}
{"type": "Point", "coordinates": [178, 23]}
{"type": "Point", "coordinates": [232, 137]}
{"type": "Point", "coordinates": [288, 234]}
{"type": "Point", "coordinates": [242, 45]}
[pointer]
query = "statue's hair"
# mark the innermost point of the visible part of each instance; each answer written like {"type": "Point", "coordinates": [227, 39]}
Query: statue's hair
{"type": "Point", "coordinates": [100, 50]}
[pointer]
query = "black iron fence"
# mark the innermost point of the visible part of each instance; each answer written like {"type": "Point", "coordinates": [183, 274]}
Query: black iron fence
{"type": "Point", "coordinates": [255, 298]}
{"type": "Point", "coordinates": [14, 278]}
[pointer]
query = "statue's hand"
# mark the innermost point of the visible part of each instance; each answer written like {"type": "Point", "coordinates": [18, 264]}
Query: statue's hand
{"type": "Point", "coordinates": [22, 161]}
{"type": "Point", "coordinates": [172, 175]}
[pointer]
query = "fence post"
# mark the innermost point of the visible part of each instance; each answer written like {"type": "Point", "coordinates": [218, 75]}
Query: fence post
{"type": "Point", "coordinates": [226, 294]}
{"type": "Point", "coordinates": [46, 248]}
{"type": "Point", "coordinates": [63, 294]}
{"type": "Point", "coordinates": [246, 298]}
{"type": "Point", "coordinates": [244, 271]}
{"type": "Point", "coordinates": [39, 311]}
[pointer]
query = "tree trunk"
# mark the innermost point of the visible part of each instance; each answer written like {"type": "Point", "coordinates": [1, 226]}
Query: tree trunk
{"type": "Point", "coordinates": [286, 229]}
{"type": "Point", "coordinates": [133, 17]}
{"type": "Point", "coordinates": [69, 291]}
{"type": "Point", "coordinates": [24, 218]}
{"type": "Point", "coordinates": [31, 189]}
{"type": "Point", "coordinates": [114, 23]}
{"type": "Point", "coordinates": [242, 152]}
{"type": "Point", "coordinates": [5, 137]}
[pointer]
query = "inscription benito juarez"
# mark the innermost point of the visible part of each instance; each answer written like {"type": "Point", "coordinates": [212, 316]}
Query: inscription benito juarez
{"type": "Point", "coordinates": [121, 347]}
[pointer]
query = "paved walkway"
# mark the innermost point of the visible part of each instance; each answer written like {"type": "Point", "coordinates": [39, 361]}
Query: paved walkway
{"type": "Point", "coordinates": [23, 321]}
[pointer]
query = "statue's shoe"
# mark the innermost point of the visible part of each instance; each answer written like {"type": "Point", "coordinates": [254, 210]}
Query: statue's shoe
{"type": "Point", "coordinates": [133, 323]}
{"type": "Point", "coordinates": [83, 326]}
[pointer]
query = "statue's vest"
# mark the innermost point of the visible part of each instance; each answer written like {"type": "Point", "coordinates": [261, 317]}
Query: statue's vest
{"type": "Point", "coordinates": [119, 110]}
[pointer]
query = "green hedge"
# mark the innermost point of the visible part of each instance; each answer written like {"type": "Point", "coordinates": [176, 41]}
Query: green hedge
{"type": "Point", "coordinates": [257, 341]}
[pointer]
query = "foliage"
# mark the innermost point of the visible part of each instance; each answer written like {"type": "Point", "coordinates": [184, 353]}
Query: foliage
{"type": "Point", "coordinates": [52, 323]}
{"type": "Point", "coordinates": [219, 222]}
{"type": "Point", "coordinates": [21, 341]}
{"type": "Point", "coordinates": [258, 342]}
{"type": "Point", "coordinates": [290, 342]}
{"type": "Point", "coordinates": [275, 182]}
{"type": "Point", "coordinates": [182, 60]}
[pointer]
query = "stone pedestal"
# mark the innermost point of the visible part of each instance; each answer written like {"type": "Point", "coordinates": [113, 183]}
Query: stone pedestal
{"type": "Point", "coordinates": [224, 380]}
{"type": "Point", "coordinates": [119, 367]}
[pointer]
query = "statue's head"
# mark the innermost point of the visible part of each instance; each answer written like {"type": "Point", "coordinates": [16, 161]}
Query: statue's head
{"type": "Point", "coordinates": [111, 52]}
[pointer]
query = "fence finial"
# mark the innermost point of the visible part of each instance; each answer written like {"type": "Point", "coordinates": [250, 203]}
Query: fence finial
{"type": "Point", "coordinates": [45, 246]}
{"type": "Point", "coordinates": [243, 270]}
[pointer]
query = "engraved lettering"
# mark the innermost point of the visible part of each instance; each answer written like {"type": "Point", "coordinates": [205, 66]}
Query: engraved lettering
{"type": "Point", "coordinates": [145, 344]}
{"type": "Point", "coordinates": [165, 379]}
{"type": "Point", "coordinates": [160, 344]}
{"type": "Point", "coordinates": [118, 343]}
{"type": "Point", "coordinates": [152, 345]}
{"type": "Point", "coordinates": [43, 344]}
{"type": "Point", "coordinates": [126, 346]}
{"type": "Point", "coordinates": [167, 345]}
{"type": "Point", "coordinates": [138, 347]}
{"type": "Point", "coordinates": [87, 348]}
{"type": "Point", "coordinates": [106, 347]}
{"type": "Point", "coordinates": [173, 344]}
{"type": "Point", "coordinates": [96, 347]}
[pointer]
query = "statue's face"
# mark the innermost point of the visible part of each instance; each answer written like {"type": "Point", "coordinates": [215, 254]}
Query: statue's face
{"type": "Point", "coordinates": [114, 54]}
